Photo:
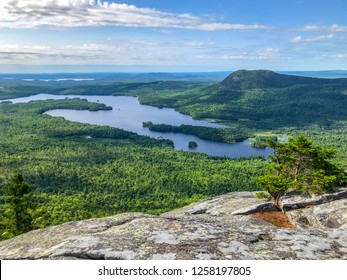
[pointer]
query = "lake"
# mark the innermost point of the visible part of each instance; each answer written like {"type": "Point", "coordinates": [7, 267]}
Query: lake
{"type": "Point", "coordinates": [129, 114]}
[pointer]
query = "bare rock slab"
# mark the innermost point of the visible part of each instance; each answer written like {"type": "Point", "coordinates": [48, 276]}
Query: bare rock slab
{"type": "Point", "coordinates": [209, 229]}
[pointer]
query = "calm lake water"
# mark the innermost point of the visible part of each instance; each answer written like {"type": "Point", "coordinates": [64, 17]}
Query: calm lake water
{"type": "Point", "coordinates": [129, 114]}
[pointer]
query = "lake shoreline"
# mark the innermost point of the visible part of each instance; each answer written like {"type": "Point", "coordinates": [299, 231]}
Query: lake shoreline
{"type": "Point", "coordinates": [129, 114]}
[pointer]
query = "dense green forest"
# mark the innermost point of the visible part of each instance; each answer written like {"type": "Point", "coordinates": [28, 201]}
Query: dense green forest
{"type": "Point", "coordinates": [330, 136]}
{"type": "Point", "coordinates": [20, 88]}
{"type": "Point", "coordinates": [223, 135]}
{"type": "Point", "coordinates": [79, 171]}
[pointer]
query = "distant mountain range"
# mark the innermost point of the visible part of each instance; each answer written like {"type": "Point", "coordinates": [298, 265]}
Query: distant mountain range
{"type": "Point", "coordinates": [330, 74]}
{"type": "Point", "coordinates": [159, 76]}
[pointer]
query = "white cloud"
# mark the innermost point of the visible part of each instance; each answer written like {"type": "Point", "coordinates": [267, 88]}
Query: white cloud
{"type": "Point", "coordinates": [32, 48]}
{"type": "Point", "coordinates": [133, 52]}
{"type": "Point", "coordinates": [79, 13]}
{"type": "Point", "coordinates": [224, 26]}
{"type": "Point", "coordinates": [331, 28]}
{"type": "Point", "coordinates": [164, 31]}
{"type": "Point", "coordinates": [125, 52]}
{"type": "Point", "coordinates": [235, 57]}
{"type": "Point", "coordinates": [33, 54]}
{"type": "Point", "coordinates": [199, 44]}
{"type": "Point", "coordinates": [260, 54]}
{"type": "Point", "coordinates": [320, 38]}
{"type": "Point", "coordinates": [268, 52]}
{"type": "Point", "coordinates": [340, 55]}
{"type": "Point", "coordinates": [296, 39]}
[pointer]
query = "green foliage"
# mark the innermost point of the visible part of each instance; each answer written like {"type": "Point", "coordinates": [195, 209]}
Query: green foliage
{"type": "Point", "coordinates": [328, 136]}
{"type": "Point", "coordinates": [301, 165]}
{"type": "Point", "coordinates": [260, 141]}
{"type": "Point", "coordinates": [263, 100]}
{"type": "Point", "coordinates": [268, 101]}
{"type": "Point", "coordinates": [80, 171]}
{"type": "Point", "coordinates": [18, 197]}
{"type": "Point", "coordinates": [19, 88]}
{"type": "Point", "coordinates": [224, 135]}
{"type": "Point", "coordinates": [192, 145]}
{"type": "Point", "coordinates": [261, 195]}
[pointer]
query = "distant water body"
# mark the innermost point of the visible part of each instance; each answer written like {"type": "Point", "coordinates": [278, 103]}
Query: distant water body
{"type": "Point", "coordinates": [129, 114]}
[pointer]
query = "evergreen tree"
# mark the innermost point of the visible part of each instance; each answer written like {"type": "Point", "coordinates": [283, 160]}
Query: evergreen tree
{"type": "Point", "coordinates": [18, 206]}
{"type": "Point", "coordinates": [301, 165]}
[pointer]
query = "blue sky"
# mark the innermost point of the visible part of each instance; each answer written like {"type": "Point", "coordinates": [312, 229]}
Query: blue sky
{"type": "Point", "coordinates": [160, 35]}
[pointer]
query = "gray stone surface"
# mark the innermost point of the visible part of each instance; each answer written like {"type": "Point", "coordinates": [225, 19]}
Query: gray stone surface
{"type": "Point", "coordinates": [327, 215]}
{"type": "Point", "coordinates": [204, 230]}
{"type": "Point", "coordinates": [296, 201]}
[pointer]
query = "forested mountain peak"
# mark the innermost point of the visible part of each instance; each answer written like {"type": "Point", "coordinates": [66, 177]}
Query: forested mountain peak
{"type": "Point", "coordinates": [247, 79]}
{"type": "Point", "coordinates": [262, 98]}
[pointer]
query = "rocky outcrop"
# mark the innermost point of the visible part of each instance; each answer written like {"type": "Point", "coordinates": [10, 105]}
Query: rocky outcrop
{"type": "Point", "coordinates": [217, 228]}
{"type": "Point", "coordinates": [299, 200]}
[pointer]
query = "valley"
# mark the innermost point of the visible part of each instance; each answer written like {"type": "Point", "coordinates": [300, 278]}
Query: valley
{"type": "Point", "coordinates": [81, 170]}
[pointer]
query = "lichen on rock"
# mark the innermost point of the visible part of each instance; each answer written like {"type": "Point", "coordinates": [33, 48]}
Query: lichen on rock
{"type": "Point", "coordinates": [217, 228]}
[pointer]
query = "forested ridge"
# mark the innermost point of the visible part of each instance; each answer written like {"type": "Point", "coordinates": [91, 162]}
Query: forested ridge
{"type": "Point", "coordinates": [262, 100]}
{"type": "Point", "coordinates": [13, 88]}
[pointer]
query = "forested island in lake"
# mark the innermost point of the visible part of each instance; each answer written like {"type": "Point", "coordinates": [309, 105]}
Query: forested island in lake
{"type": "Point", "coordinates": [223, 135]}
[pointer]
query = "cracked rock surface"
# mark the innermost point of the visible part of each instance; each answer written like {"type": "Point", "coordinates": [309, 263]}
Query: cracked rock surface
{"type": "Point", "coordinates": [217, 228]}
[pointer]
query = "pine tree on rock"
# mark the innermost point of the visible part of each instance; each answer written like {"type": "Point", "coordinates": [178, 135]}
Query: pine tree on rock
{"type": "Point", "coordinates": [18, 206]}
{"type": "Point", "coordinates": [299, 165]}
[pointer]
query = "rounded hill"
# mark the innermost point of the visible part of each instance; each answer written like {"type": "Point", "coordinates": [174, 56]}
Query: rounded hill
{"type": "Point", "coordinates": [247, 79]}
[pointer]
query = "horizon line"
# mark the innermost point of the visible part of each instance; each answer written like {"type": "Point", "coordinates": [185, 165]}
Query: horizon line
{"type": "Point", "coordinates": [139, 71]}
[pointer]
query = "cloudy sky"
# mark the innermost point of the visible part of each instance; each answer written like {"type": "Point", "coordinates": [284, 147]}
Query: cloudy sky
{"type": "Point", "coordinates": [172, 35]}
